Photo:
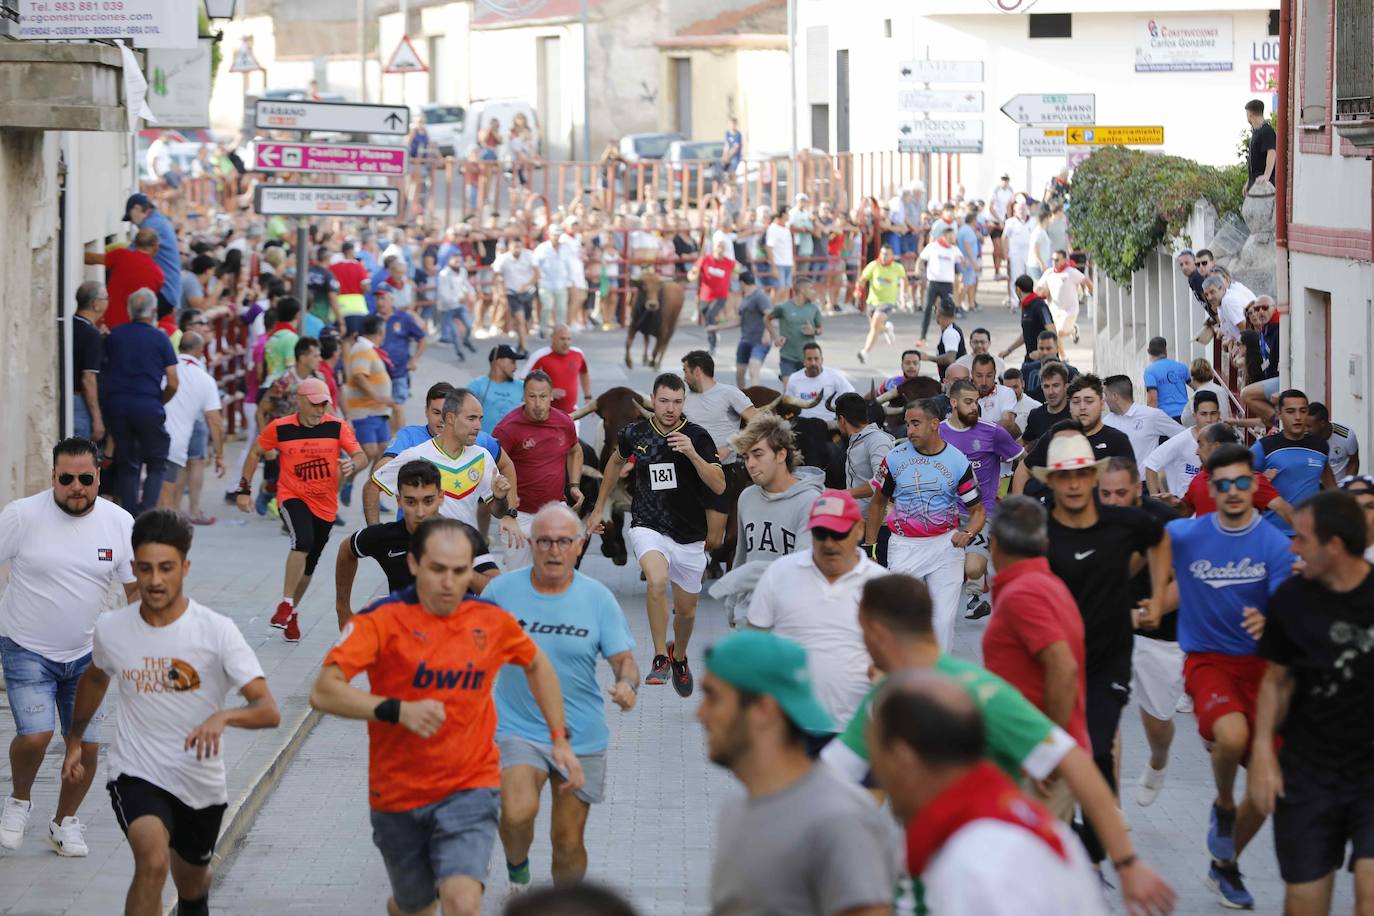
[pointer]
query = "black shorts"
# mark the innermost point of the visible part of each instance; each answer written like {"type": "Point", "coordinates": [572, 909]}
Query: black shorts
{"type": "Point", "coordinates": [1319, 814]}
{"type": "Point", "coordinates": [309, 533]}
{"type": "Point", "coordinates": [192, 832]}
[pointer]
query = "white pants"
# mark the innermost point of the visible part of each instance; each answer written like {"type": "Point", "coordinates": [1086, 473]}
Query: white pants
{"type": "Point", "coordinates": [518, 557]}
{"type": "Point", "coordinates": [1157, 676]}
{"type": "Point", "coordinates": [937, 562]}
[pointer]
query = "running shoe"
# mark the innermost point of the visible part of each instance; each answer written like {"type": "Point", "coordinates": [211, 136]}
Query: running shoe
{"type": "Point", "coordinates": [659, 672]}
{"type": "Point", "coordinates": [13, 819]}
{"type": "Point", "coordinates": [1221, 828]}
{"type": "Point", "coordinates": [1148, 787]}
{"type": "Point", "coordinates": [861, 357]}
{"type": "Point", "coordinates": [1225, 881]}
{"type": "Point", "coordinates": [518, 878]}
{"type": "Point", "coordinates": [1184, 705]}
{"type": "Point", "coordinates": [978, 608]}
{"type": "Point", "coordinates": [283, 614]}
{"type": "Point", "coordinates": [890, 334]}
{"type": "Point", "coordinates": [682, 674]}
{"type": "Point", "coordinates": [292, 633]}
{"type": "Point", "coordinates": [68, 838]}
{"type": "Point", "coordinates": [346, 494]}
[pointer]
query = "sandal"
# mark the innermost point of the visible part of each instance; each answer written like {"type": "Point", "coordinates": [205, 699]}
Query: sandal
{"type": "Point", "coordinates": [202, 519]}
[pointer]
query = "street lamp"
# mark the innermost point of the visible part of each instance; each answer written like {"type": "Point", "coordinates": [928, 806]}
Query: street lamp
{"type": "Point", "coordinates": [220, 9]}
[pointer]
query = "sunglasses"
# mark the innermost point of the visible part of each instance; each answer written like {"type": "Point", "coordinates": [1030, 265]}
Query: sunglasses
{"type": "Point", "coordinates": [825, 534]}
{"type": "Point", "coordinates": [1240, 483]}
{"type": "Point", "coordinates": [66, 479]}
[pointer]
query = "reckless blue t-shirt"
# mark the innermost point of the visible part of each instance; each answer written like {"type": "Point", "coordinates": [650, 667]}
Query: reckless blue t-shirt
{"type": "Point", "coordinates": [572, 628]}
{"type": "Point", "coordinates": [1220, 573]}
{"type": "Point", "coordinates": [1299, 462]}
{"type": "Point", "coordinates": [1169, 378]}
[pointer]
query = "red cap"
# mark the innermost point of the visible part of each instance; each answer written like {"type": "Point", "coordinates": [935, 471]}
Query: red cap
{"type": "Point", "coordinates": [313, 390]}
{"type": "Point", "coordinates": [835, 510]}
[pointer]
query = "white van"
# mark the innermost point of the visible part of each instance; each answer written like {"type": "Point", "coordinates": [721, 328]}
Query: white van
{"type": "Point", "coordinates": [480, 113]}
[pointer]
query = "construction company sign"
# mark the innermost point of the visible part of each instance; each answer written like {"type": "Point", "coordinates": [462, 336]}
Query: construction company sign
{"type": "Point", "coordinates": [1179, 43]}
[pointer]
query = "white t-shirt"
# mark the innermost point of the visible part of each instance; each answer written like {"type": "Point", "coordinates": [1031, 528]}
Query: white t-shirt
{"type": "Point", "coordinates": [61, 570]}
{"type": "Point", "coordinates": [1231, 312]}
{"type": "Point", "coordinates": [1063, 286]}
{"type": "Point", "coordinates": [941, 260]}
{"type": "Point", "coordinates": [778, 240]}
{"type": "Point", "coordinates": [829, 383]}
{"type": "Point", "coordinates": [718, 411]}
{"type": "Point", "coordinates": [1177, 460]}
{"type": "Point", "coordinates": [515, 271]}
{"type": "Point", "coordinates": [553, 273]}
{"type": "Point", "coordinates": [896, 211]}
{"type": "Point", "coordinates": [574, 262]}
{"type": "Point", "coordinates": [999, 201]}
{"type": "Point", "coordinates": [1023, 408]}
{"type": "Point", "coordinates": [1144, 426]}
{"type": "Point", "coordinates": [950, 337]}
{"type": "Point", "coordinates": [1016, 233]}
{"type": "Point", "coordinates": [465, 480]}
{"type": "Point", "coordinates": [1001, 401]}
{"type": "Point", "coordinates": [170, 680]}
{"type": "Point", "coordinates": [795, 600]}
{"type": "Point", "coordinates": [1223, 400]}
{"type": "Point", "coordinates": [967, 362]}
{"type": "Point", "coordinates": [993, 868]}
{"type": "Point", "coordinates": [1042, 245]}
{"type": "Point", "coordinates": [1342, 445]}
{"type": "Point", "coordinates": [197, 392]}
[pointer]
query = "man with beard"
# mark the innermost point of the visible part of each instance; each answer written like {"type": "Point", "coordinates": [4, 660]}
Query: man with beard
{"type": "Point", "coordinates": [815, 380]}
{"type": "Point", "coordinates": [65, 548]}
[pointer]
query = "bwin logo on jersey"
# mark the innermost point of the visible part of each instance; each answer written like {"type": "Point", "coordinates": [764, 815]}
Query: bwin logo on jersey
{"type": "Point", "coordinates": [1243, 572]}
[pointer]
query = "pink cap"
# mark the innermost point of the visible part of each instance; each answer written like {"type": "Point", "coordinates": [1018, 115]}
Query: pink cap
{"type": "Point", "coordinates": [314, 391]}
{"type": "Point", "coordinates": [835, 510]}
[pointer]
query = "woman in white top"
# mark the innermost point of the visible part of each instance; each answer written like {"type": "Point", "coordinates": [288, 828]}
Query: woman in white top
{"type": "Point", "coordinates": [1016, 235]}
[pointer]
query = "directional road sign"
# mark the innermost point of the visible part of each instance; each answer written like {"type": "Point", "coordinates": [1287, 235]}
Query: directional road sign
{"type": "Point", "coordinates": [922, 100]}
{"type": "Point", "coordinates": [940, 71]}
{"type": "Point", "coordinates": [1042, 142]}
{"type": "Point", "coordinates": [335, 200]}
{"type": "Point", "coordinates": [342, 158]}
{"type": "Point", "coordinates": [274, 114]}
{"type": "Point", "coordinates": [1052, 109]}
{"type": "Point", "coordinates": [1095, 135]}
{"type": "Point", "coordinates": [925, 136]}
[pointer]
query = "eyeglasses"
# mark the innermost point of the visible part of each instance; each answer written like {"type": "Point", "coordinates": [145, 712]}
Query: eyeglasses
{"type": "Point", "coordinates": [550, 543]}
{"type": "Point", "coordinates": [825, 534]}
{"type": "Point", "coordinates": [1240, 483]}
{"type": "Point", "coordinates": [66, 479]}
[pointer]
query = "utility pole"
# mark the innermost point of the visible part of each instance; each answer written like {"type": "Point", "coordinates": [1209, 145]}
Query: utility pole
{"type": "Point", "coordinates": [586, 86]}
{"type": "Point", "coordinates": [362, 50]}
{"type": "Point", "coordinates": [792, 65]}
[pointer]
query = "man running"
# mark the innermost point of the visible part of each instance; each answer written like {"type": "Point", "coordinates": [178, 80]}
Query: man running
{"type": "Point", "coordinates": [420, 495]}
{"type": "Point", "coordinates": [986, 445]}
{"type": "Point", "coordinates": [927, 482]}
{"type": "Point", "coordinates": [773, 512]}
{"type": "Point", "coordinates": [1294, 458]}
{"type": "Point", "coordinates": [940, 257]}
{"type": "Point", "coordinates": [1172, 466]}
{"type": "Point", "coordinates": [673, 469]}
{"type": "Point", "coordinates": [1060, 285]}
{"type": "Point", "coordinates": [65, 547]}
{"type": "Point", "coordinates": [887, 287]}
{"type": "Point", "coordinates": [1227, 565]}
{"type": "Point", "coordinates": [1144, 425]}
{"type": "Point", "coordinates": [565, 365]}
{"type": "Point", "coordinates": [173, 660]}
{"type": "Point", "coordinates": [573, 619]}
{"type": "Point", "coordinates": [1198, 500]}
{"type": "Point", "coordinates": [308, 444]}
{"type": "Point", "coordinates": [433, 770]}
{"type": "Point", "coordinates": [542, 443]}
{"type": "Point", "coordinates": [499, 390]}
{"type": "Point", "coordinates": [719, 409]}
{"type": "Point", "coordinates": [1086, 405]}
{"type": "Point", "coordinates": [1316, 694]}
{"type": "Point", "coordinates": [817, 381]}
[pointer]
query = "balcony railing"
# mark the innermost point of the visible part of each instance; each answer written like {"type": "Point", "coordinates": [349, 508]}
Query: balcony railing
{"type": "Point", "coordinates": [1354, 65]}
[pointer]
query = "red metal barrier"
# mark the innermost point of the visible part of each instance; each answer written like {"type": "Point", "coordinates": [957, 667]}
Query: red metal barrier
{"type": "Point", "coordinates": [226, 357]}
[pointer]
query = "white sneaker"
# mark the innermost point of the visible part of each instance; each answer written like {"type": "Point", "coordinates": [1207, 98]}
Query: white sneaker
{"type": "Point", "coordinates": [1184, 704]}
{"type": "Point", "coordinates": [889, 334]}
{"type": "Point", "coordinates": [68, 838]}
{"type": "Point", "coordinates": [13, 819]}
{"type": "Point", "coordinates": [1149, 785]}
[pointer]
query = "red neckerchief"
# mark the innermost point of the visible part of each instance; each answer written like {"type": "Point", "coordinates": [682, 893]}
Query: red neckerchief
{"type": "Point", "coordinates": [1060, 270]}
{"type": "Point", "coordinates": [1027, 299]}
{"type": "Point", "coordinates": [282, 326]}
{"type": "Point", "coordinates": [984, 792]}
{"type": "Point", "coordinates": [943, 242]}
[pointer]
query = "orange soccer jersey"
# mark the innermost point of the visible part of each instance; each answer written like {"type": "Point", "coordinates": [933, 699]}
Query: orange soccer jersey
{"type": "Point", "coordinates": [310, 460]}
{"type": "Point", "coordinates": [411, 654]}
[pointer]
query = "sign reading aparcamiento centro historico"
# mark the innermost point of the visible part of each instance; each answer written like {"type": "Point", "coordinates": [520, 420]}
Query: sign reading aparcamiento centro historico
{"type": "Point", "coordinates": [147, 23]}
{"type": "Point", "coordinates": [1174, 42]}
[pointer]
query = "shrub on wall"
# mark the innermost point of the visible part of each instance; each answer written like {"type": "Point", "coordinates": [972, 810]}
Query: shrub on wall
{"type": "Point", "coordinates": [1125, 203]}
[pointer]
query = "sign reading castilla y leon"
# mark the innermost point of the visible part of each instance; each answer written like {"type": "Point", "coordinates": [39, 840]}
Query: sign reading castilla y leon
{"type": "Point", "coordinates": [1175, 42]}
{"type": "Point", "coordinates": [344, 158]}
{"type": "Point", "coordinates": [147, 23]}
{"type": "Point", "coordinates": [328, 200]}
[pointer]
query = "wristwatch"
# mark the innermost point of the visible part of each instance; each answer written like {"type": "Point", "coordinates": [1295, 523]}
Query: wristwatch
{"type": "Point", "coordinates": [512, 512]}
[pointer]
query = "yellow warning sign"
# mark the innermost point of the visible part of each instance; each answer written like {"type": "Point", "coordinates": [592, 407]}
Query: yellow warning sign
{"type": "Point", "coordinates": [1094, 135]}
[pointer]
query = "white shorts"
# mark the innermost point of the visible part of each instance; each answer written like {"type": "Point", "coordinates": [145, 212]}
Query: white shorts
{"type": "Point", "coordinates": [1157, 676]}
{"type": "Point", "coordinates": [686, 562]}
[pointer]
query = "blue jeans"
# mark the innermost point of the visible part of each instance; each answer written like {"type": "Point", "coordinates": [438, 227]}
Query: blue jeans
{"type": "Point", "coordinates": [450, 838]}
{"type": "Point", "coordinates": [81, 417]}
{"type": "Point", "coordinates": [141, 443]}
{"type": "Point", "coordinates": [42, 691]}
{"type": "Point", "coordinates": [448, 329]}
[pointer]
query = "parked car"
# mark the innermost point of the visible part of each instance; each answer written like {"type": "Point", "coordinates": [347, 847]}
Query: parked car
{"type": "Point", "coordinates": [689, 158]}
{"type": "Point", "coordinates": [445, 124]}
{"type": "Point", "coordinates": [639, 147]}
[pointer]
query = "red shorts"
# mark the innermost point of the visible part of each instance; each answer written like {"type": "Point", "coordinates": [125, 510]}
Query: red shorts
{"type": "Point", "coordinates": [1222, 684]}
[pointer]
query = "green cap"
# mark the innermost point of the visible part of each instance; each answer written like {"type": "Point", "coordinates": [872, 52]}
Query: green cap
{"type": "Point", "coordinates": [762, 663]}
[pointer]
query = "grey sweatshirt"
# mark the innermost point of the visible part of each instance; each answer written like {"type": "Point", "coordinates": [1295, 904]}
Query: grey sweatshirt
{"type": "Point", "coordinates": [867, 449]}
{"type": "Point", "coordinates": [774, 524]}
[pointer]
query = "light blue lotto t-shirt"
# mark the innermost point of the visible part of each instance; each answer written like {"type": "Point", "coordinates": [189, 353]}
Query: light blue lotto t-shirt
{"type": "Point", "coordinates": [1220, 573]}
{"type": "Point", "coordinates": [573, 629]}
{"type": "Point", "coordinates": [498, 399]}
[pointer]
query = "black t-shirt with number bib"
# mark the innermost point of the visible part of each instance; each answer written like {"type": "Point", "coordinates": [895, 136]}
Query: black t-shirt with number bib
{"type": "Point", "coordinates": [389, 542]}
{"type": "Point", "coordinates": [1326, 640]}
{"type": "Point", "coordinates": [668, 493]}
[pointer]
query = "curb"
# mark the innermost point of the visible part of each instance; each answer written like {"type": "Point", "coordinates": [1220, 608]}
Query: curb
{"type": "Point", "coordinates": [244, 810]}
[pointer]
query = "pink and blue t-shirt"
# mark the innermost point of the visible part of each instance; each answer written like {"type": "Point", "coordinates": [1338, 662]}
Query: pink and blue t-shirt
{"type": "Point", "coordinates": [926, 491]}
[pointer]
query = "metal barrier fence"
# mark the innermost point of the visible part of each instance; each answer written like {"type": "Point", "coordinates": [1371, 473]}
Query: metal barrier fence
{"type": "Point", "coordinates": [226, 355]}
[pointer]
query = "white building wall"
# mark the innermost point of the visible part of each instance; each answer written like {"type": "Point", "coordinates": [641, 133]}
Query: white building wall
{"type": "Point", "coordinates": [1201, 111]}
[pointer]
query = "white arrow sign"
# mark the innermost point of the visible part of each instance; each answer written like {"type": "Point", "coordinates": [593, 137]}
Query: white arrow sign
{"type": "Point", "coordinates": [1052, 109]}
{"type": "Point", "coordinates": [963, 136]}
{"type": "Point", "coordinates": [273, 114]}
{"type": "Point", "coordinates": [940, 71]}
{"type": "Point", "coordinates": [337, 200]}
{"type": "Point", "coordinates": [923, 100]}
{"type": "Point", "coordinates": [1042, 141]}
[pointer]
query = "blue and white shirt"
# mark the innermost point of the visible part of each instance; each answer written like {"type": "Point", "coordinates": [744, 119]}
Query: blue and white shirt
{"type": "Point", "coordinates": [1220, 573]}
{"type": "Point", "coordinates": [926, 491]}
{"type": "Point", "coordinates": [1299, 463]}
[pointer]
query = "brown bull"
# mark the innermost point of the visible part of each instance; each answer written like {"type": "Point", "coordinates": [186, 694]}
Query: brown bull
{"type": "Point", "coordinates": [656, 318]}
{"type": "Point", "coordinates": [617, 407]}
{"type": "Point", "coordinates": [784, 405]}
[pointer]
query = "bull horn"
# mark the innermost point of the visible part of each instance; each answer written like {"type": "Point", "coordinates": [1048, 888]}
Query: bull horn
{"type": "Point", "coordinates": [830, 402]}
{"type": "Point", "coordinates": [793, 401]}
{"type": "Point", "coordinates": [771, 406]}
{"type": "Point", "coordinates": [644, 405]}
{"type": "Point", "coordinates": [585, 409]}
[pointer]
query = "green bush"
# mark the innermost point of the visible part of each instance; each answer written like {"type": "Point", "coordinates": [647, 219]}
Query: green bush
{"type": "Point", "coordinates": [1125, 203]}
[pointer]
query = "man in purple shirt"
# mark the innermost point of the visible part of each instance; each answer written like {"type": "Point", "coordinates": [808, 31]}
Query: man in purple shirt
{"type": "Point", "coordinates": [986, 444]}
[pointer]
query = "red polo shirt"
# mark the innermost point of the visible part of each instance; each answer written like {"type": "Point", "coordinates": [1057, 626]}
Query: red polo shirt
{"type": "Point", "coordinates": [539, 452]}
{"type": "Point", "coordinates": [1031, 610]}
{"type": "Point", "coordinates": [563, 370]}
{"type": "Point", "coordinates": [127, 270]}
